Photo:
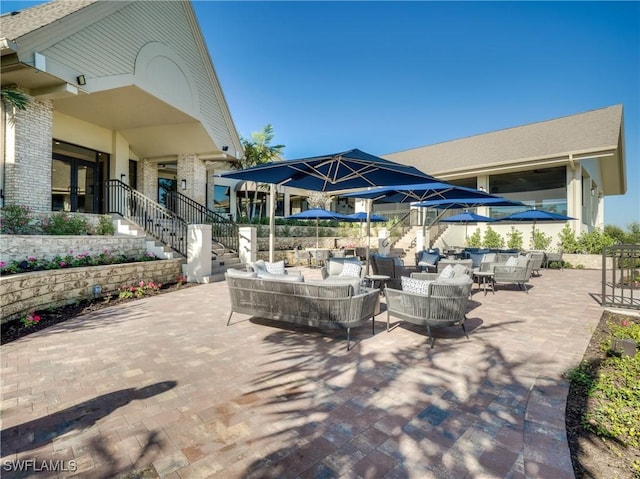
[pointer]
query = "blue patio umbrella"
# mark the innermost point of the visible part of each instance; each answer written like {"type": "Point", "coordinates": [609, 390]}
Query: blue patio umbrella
{"type": "Point", "coordinates": [347, 170]}
{"type": "Point", "coordinates": [361, 216]}
{"type": "Point", "coordinates": [410, 193]}
{"type": "Point", "coordinates": [466, 218]}
{"type": "Point", "coordinates": [319, 214]}
{"type": "Point", "coordinates": [534, 216]}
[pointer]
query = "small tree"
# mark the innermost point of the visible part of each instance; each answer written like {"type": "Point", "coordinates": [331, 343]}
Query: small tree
{"type": "Point", "coordinates": [475, 240]}
{"type": "Point", "coordinates": [492, 239]}
{"type": "Point", "coordinates": [515, 239]}
{"type": "Point", "coordinates": [318, 199]}
{"type": "Point", "coordinates": [633, 234]}
{"type": "Point", "coordinates": [567, 238]}
{"type": "Point", "coordinates": [540, 240]}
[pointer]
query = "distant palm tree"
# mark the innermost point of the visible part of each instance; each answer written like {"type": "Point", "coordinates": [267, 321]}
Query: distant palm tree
{"type": "Point", "coordinates": [257, 151]}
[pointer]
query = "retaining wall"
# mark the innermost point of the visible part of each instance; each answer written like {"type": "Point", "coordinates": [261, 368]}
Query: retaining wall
{"type": "Point", "coordinates": [19, 247]}
{"type": "Point", "coordinates": [25, 292]}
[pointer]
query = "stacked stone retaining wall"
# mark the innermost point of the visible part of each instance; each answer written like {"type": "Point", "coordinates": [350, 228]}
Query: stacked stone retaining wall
{"type": "Point", "coordinates": [25, 292]}
{"type": "Point", "coordinates": [19, 247]}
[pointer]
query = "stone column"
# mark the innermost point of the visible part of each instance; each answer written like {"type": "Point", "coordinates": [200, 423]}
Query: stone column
{"type": "Point", "coordinates": [193, 171]}
{"type": "Point", "coordinates": [148, 179]}
{"type": "Point", "coordinates": [248, 246]}
{"type": "Point", "coordinates": [198, 265]}
{"type": "Point", "coordinates": [27, 151]}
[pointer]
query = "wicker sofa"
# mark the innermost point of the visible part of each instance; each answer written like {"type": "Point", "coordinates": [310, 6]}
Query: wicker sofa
{"type": "Point", "coordinates": [317, 304]}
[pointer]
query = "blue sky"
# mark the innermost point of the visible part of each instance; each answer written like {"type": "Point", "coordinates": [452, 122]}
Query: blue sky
{"type": "Point", "coordinates": [389, 76]}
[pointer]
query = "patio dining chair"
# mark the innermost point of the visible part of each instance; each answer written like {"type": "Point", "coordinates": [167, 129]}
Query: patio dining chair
{"type": "Point", "coordinates": [303, 256]}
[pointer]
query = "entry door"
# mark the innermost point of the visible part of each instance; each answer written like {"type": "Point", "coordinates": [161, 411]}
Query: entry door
{"type": "Point", "coordinates": [75, 185]}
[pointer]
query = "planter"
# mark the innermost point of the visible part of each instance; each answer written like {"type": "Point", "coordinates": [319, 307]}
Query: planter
{"type": "Point", "coordinates": [21, 293]}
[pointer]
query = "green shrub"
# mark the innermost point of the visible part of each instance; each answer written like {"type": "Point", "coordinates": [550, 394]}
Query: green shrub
{"type": "Point", "coordinates": [567, 237]}
{"type": "Point", "coordinates": [540, 241]}
{"type": "Point", "coordinates": [105, 226]}
{"type": "Point", "coordinates": [593, 242]}
{"type": "Point", "coordinates": [475, 240]}
{"type": "Point", "coordinates": [16, 220]}
{"type": "Point", "coordinates": [515, 239]}
{"type": "Point", "coordinates": [63, 223]}
{"type": "Point", "coordinates": [492, 239]}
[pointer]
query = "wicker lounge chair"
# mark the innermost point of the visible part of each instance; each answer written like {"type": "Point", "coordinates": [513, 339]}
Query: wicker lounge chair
{"type": "Point", "coordinates": [443, 305]}
{"type": "Point", "coordinates": [518, 274]}
{"type": "Point", "coordinates": [392, 267]}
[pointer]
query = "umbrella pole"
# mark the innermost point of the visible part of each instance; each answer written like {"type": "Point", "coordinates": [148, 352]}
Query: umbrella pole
{"type": "Point", "coordinates": [317, 243]}
{"type": "Point", "coordinates": [368, 232]}
{"type": "Point", "coordinates": [272, 221]}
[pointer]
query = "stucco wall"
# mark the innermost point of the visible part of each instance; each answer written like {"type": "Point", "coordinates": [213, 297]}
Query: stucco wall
{"type": "Point", "coordinates": [22, 293]}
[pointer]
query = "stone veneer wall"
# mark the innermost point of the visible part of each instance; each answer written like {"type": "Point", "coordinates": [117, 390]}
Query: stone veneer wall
{"type": "Point", "coordinates": [19, 247]}
{"type": "Point", "coordinates": [28, 156]}
{"type": "Point", "coordinates": [25, 292]}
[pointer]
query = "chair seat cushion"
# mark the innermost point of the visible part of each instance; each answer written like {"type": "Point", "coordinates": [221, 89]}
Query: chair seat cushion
{"type": "Point", "coordinates": [447, 273]}
{"type": "Point", "coordinates": [350, 270]}
{"type": "Point", "coordinates": [276, 267]}
{"type": "Point", "coordinates": [512, 261]}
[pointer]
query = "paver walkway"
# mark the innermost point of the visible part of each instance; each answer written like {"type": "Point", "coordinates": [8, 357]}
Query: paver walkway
{"type": "Point", "coordinates": [162, 385]}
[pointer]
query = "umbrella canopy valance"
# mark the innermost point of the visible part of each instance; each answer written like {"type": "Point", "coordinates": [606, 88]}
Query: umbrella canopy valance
{"type": "Point", "coordinates": [347, 170]}
{"type": "Point", "coordinates": [468, 203]}
{"type": "Point", "coordinates": [362, 216]}
{"type": "Point", "coordinates": [536, 215]}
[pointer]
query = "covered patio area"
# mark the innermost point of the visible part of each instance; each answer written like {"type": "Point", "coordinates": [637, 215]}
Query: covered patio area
{"type": "Point", "coordinates": [163, 385]}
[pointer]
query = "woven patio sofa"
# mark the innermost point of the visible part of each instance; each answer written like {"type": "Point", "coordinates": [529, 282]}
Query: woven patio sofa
{"type": "Point", "coordinates": [318, 304]}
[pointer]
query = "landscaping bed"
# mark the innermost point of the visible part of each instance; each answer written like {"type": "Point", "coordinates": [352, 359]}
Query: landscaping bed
{"type": "Point", "coordinates": [604, 433]}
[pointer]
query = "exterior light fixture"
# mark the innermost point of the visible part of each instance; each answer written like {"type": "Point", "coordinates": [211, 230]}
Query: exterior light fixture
{"type": "Point", "coordinates": [81, 80]}
{"type": "Point", "coordinates": [225, 148]}
{"type": "Point", "coordinates": [122, 176]}
{"type": "Point", "coordinates": [183, 184]}
{"type": "Point", "coordinates": [593, 191]}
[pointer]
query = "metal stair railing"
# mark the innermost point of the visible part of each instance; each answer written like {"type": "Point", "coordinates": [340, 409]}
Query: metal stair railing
{"type": "Point", "coordinates": [223, 230]}
{"type": "Point", "coordinates": [155, 219]}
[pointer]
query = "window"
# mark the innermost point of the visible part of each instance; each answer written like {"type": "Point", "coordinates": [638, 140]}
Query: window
{"type": "Point", "coordinates": [221, 199]}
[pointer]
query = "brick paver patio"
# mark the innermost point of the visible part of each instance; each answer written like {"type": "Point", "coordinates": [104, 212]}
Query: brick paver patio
{"type": "Point", "coordinates": [163, 386]}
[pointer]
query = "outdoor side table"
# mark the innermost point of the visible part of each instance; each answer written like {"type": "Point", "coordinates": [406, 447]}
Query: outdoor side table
{"type": "Point", "coordinates": [377, 281]}
{"type": "Point", "coordinates": [486, 277]}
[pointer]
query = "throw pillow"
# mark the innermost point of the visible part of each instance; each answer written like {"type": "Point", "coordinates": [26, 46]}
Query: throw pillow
{"type": "Point", "coordinates": [429, 259]}
{"type": "Point", "coordinates": [275, 268]}
{"type": "Point", "coordinates": [350, 269]}
{"type": "Point", "coordinates": [416, 286]}
{"type": "Point", "coordinates": [512, 261]}
{"type": "Point", "coordinates": [447, 273]}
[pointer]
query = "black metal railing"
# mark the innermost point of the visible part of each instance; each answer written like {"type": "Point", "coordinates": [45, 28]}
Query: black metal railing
{"type": "Point", "coordinates": [621, 276]}
{"type": "Point", "coordinates": [223, 230]}
{"type": "Point", "coordinates": [156, 220]}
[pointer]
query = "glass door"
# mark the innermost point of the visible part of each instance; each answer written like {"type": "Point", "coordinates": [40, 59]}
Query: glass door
{"type": "Point", "coordinates": [74, 185]}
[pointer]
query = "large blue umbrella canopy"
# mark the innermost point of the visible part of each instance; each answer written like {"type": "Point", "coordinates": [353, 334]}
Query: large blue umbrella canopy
{"type": "Point", "coordinates": [466, 218]}
{"type": "Point", "coordinates": [347, 170]}
{"type": "Point", "coordinates": [362, 216]}
{"type": "Point", "coordinates": [534, 216]}
{"type": "Point", "coordinates": [410, 193]}
{"type": "Point", "coordinates": [319, 214]}
{"type": "Point", "coordinates": [335, 172]}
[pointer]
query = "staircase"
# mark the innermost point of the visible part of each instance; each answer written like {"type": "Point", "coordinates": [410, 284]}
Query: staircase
{"type": "Point", "coordinates": [166, 230]}
{"type": "Point", "coordinates": [407, 243]}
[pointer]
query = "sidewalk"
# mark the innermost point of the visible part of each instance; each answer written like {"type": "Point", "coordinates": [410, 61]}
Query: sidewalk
{"type": "Point", "coordinates": [162, 385]}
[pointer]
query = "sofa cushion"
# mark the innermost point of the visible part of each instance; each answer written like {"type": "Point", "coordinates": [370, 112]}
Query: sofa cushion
{"type": "Point", "coordinates": [352, 290]}
{"type": "Point", "coordinates": [447, 272]}
{"type": "Point", "coordinates": [350, 269]}
{"type": "Point", "coordinates": [292, 278]}
{"type": "Point", "coordinates": [428, 259]}
{"type": "Point", "coordinates": [275, 268]}
{"type": "Point", "coordinates": [336, 265]}
{"type": "Point", "coordinates": [236, 273]}
{"type": "Point", "coordinates": [522, 261]}
{"type": "Point", "coordinates": [459, 270]}
{"type": "Point", "coordinates": [512, 261]}
{"type": "Point", "coordinates": [464, 279]}
{"type": "Point", "coordinates": [416, 286]}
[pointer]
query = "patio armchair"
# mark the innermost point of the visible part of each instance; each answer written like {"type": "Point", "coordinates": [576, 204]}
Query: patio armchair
{"type": "Point", "coordinates": [392, 267]}
{"type": "Point", "coordinates": [427, 260]}
{"type": "Point", "coordinates": [275, 270]}
{"type": "Point", "coordinates": [537, 258]}
{"type": "Point", "coordinates": [444, 305]}
{"type": "Point", "coordinates": [320, 256]}
{"type": "Point", "coordinates": [303, 256]}
{"type": "Point", "coordinates": [519, 272]}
